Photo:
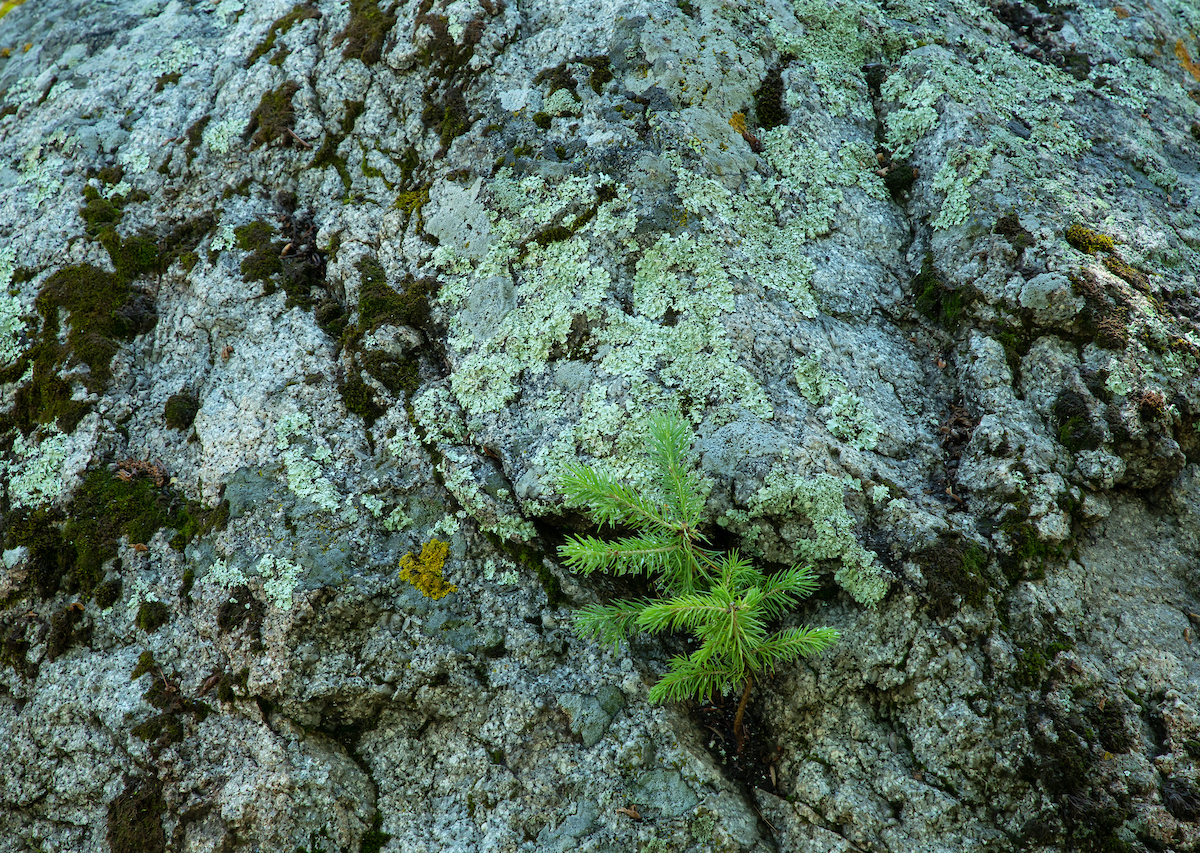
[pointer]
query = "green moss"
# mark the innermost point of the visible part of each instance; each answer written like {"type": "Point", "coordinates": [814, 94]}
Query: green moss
{"type": "Point", "coordinates": [1010, 228]}
{"type": "Point", "coordinates": [165, 80]}
{"type": "Point", "coordinates": [1076, 431]}
{"type": "Point", "coordinates": [359, 399]}
{"type": "Point", "coordinates": [160, 730]}
{"type": "Point", "coordinates": [65, 631]}
{"type": "Point", "coordinates": [274, 117]}
{"type": "Point", "coordinates": [1088, 241]}
{"type": "Point", "coordinates": [100, 308]}
{"type": "Point", "coordinates": [327, 154]}
{"type": "Point", "coordinates": [109, 593]}
{"type": "Point", "coordinates": [144, 665]}
{"type": "Point", "coordinates": [152, 615]}
{"type": "Point", "coordinates": [135, 818]}
{"type": "Point", "coordinates": [935, 299]}
{"type": "Point", "coordinates": [264, 262]}
{"type": "Point", "coordinates": [445, 109]}
{"type": "Point", "coordinates": [185, 586]}
{"type": "Point", "coordinates": [232, 687]}
{"type": "Point", "coordinates": [768, 100]}
{"type": "Point", "coordinates": [14, 647]}
{"type": "Point", "coordinates": [280, 27]}
{"type": "Point", "coordinates": [195, 136]}
{"type": "Point", "coordinates": [367, 30]}
{"type": "Point", "coordinates": [1033, 661]}
{"type": "Point", "coordinates": [601, 71]}
{"type": "Point", "coordinates": [542, 120]}
{"type": "Point", "coordinates": [953, 572]}
{"type": "Point", "coordinates": [98, 213]}
{"type": "Point", "coordinates": [379, 305]}
{"type": "Point", "coordinates": [241, 608]}
{"type": "Point", "coordinates": [180, 410]}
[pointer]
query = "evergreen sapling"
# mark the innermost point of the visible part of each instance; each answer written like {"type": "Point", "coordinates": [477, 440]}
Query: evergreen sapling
{"type": "Point", "coordinates": [721, 599]}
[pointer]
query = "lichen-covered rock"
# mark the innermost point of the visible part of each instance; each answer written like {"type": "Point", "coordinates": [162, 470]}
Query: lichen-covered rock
{"type": "Point", "coordinates": [290, 292]}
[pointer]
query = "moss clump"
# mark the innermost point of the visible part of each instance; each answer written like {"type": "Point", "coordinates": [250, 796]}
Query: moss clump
{"type": "Point", "coordinates": [264, 262]}
{"type": "Point", "coordinates": [160, 731]}
{"type": "Point", "coordinates": [935, 299]}
{"type": "Point", "coordinates": [135, 818]}
{"type": "Point", "coordinates": [180, 410]}
{"type": "Point", "coordinates": [107, 507]}
{"type": "Point", "coordinates": [445, 97]}
{"type": "Point", "coordinates": [368, 28]}
{"type": "Point", "coordinates": [109, 593]}
{"type": "Point", "coordinates": [425, 572]}
{"type": "Point", "coordinates": [768, 100]}
{"type": "Point", "coordinates": [327, 154]}
{"type": "Point", "coordinates": [1088, 241]}
{"type": "Point", "coordinates": [152, 615]}
{"type": "Point", "coordinates": [51, 558]}
{"type": "Point", "coordinates": [953, 573]}
{"type": "Point", "coordinates": [1076, 431]}
{"type": "Point", "coordinates": [195, 136]}
{"type": "Point", "coordinates": [601, 71]}
{"type": "Point", "coordinates": [542, 120]}
{"type": "Point", "coordinates": [1010, 228]}
{"type": "Point", "coordinates": [374, 838]}
{"type": "Point", "coordinates": [359, 399]}
{"type": "Point", "coordinates": [98, 213]}
{"type": "Point", "coordinates": [1033, 661]}
{"type": "Point", "coordinates": [274, 117]}
{"type": "Point", "coordinates": [14, 647]}
{"type": "Point", "coordinates": [280, 27]}
{"type": "Point", "coordinates": [899, 179]}
{"type": "Point", "coordinates": [165, 80]}
{"type": "Point", "coordinates": [66, 632]}
{"type": "Point", "coordinates": [241, 608]}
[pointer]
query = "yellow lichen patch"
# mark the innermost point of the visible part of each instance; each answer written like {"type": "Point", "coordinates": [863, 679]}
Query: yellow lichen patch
{"type": "Point", "coordinates": [1088, 241]}
{"type": "Point", "coordinates": [738, 122]}
{"type": "Point", "coordinates": [1181, 53]}
{"type": "Point", "coordinates": [7, 6]}
{"type": "Point", "coordinates": [425, 572]}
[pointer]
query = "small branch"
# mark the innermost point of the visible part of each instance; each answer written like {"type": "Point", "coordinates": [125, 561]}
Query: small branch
{"type": "Point", "coordinates": [738, 731]}
{"type": "Point", "coordinates": [297, 138]}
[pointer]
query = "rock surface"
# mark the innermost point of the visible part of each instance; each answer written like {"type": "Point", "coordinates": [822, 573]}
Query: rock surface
{"type": "Point", "coordinates": [289, 294]}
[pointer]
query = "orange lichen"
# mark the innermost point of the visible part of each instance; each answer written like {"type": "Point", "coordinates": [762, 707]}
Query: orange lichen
{"type": "Point", "coordinates": [1181, 53]}
{"type": "Point", "coordinates": [425, 572]}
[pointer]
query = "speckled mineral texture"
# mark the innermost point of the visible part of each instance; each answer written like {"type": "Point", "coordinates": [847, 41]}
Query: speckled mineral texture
{"type": "Point", "coordinates": [289, 293]}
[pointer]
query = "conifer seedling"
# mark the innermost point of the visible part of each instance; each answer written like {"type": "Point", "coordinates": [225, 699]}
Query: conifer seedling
{"type": "Point", "coordinates": [721, 599]}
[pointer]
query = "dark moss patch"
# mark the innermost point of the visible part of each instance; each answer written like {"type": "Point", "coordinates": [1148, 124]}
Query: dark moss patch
{"type": "Point", "coordinates": [367, 31]}
{"type": "Point", "coordinates": [107, 507]}
{"type": "Point", "coordinates": [165, 80]}
{"type": "Point", "coordinates": [937, 300]}
{"type": "Point", "coordinates": [1119, 267]}
{"type": "Point", "coordinates": [1034, 661]}
{"type": "Point", "coordinates": [1076, 430]}
{"type": "Point", "coordinates": [109, 593]}
{"type": "Point", "coordinates": [768, 100]}
{"type": "Point", "coordinates": [160, 731]}
{"type": "Point", "coordinates": [899, 179]}
{"type": "Point", "coordinates": [280, 27]}
{"type": "Point", "coordinates": [68, 550]}
{"type": "Point", "coordinates": [1181, 799]}
{"type": "Point", "coordinates": [327, 154]}
{"type": "Point", "coordinates": [66, 631]}
{"type": "Point", "coordinates": [101, 309]}
{"type": "Point", "coordinates": [1027, 555]}
{"type": "Point", "coordinates": [241, 608]}
{"type": "Point", "coordinates": [274, 117]}
{"type": "Point", "coordinates": [189, 580]}
{"type": "Point", "coordinates": [231, 687]}
{"type": "Point", "coordinates": [152, 615]}
{"type": "Point", "coordinates": [445, 102]}
{"type": "Point", "coordinates": [953, 573]}
{"type": "Point", "coordinates": [1010, 228]}
{"type": "Point", "coordinates": [359, 399]}
{"type": "Point", "coordinates": [601, 72]}
{"type": "Point", "coordinates": [374, 838]}
{"type": "Point", "coordinates": [542, 120]}
{"type": "Point", "coordinates": [98, 213]}
{"type": "Point", "coordinates": [263, 263]}
{"type": "Point", "coordinates": [1103, 321]}
{"type": "Point", "coordinates": [195, 136]}
{"type": "Point", "coordinates": [558, 77]}
{"type": "Point", "coordinates": [14, 646]}
{"type": "Point", "coordinates": [180, 410]}
{"type": "Point", "coordinates": [135, 818]}
{"type": "Point", "coordinates": [379, 305]}
{"type": "Point", "coordinates": [1088, 241]}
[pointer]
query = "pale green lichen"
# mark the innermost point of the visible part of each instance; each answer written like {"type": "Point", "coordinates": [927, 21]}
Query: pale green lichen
{"type": "Point", "coordinates": [280, 578]}
{"type": "Point", "coordinates": [11, 317]}
{"type": "Point", "coordinates": [849, 417]}
{"type": "Point", "coordinates": [36, 475]}
{"type": "Point", "coordinates": [786, 493]}
{"type": "Point", "coordinates": [304, 451]}
{"type": "Point", "coordinates": [218, 136]}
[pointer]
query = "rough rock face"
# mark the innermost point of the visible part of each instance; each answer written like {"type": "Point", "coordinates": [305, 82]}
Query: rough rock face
{"type": "Point", "coordinates": [294, 295]}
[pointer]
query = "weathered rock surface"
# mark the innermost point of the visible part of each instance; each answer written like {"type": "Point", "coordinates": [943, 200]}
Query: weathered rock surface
{"type": "Point", "coordinates": [292, 291]}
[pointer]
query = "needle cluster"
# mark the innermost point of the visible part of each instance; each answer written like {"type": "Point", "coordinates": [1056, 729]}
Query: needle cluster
{"type": "Point", "coordinates": [721, 599]}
